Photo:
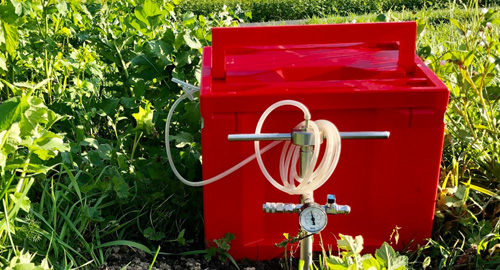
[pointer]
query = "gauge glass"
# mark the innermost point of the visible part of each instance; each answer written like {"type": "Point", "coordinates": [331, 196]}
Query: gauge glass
{"type": "Point", "coordinates": [313, 219]}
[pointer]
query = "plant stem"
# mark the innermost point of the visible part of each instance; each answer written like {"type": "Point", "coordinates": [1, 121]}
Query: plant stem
{"type": "Point", "coordinates": [136, 142]}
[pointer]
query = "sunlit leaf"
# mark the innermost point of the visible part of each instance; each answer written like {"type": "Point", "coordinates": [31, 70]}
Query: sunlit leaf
{"type": "Point", "coordinates": [144, 118]}
{"type": "Point", "coordinates": [192, 42]}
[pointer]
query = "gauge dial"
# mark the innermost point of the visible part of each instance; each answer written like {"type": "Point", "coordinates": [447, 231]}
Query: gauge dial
{"type": "Point", "coordinates": [313, 218]}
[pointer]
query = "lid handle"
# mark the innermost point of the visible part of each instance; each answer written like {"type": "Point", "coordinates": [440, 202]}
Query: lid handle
{"type": "Point", "coordinates": [402, 32]}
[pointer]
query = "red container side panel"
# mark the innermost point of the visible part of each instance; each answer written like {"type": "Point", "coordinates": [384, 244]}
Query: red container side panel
{"type": "Point", "coordinates": [355, 80]}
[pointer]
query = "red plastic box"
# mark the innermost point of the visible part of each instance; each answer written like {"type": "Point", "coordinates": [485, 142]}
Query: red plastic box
{"type": "Point", "coordinates": [361, 77]}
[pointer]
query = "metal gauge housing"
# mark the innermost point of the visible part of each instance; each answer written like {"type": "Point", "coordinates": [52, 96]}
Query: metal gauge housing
{"type": "Point", "coordinates": [312, 218]}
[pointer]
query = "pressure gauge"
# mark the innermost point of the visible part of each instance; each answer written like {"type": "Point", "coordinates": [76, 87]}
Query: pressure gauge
{"type": "Point", "coordinates": [312, 218]}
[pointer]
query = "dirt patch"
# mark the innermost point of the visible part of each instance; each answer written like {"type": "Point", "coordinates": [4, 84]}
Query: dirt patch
{"type": "Point", "coordinates": [133, 259]}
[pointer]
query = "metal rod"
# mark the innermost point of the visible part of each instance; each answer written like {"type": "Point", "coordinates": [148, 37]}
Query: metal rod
{"type": "Point", "coordinates": [306, 244]}
{"type": "Point", "coordinates": [288, 136]}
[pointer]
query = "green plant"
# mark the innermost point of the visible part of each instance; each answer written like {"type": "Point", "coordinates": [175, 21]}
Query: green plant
{"type": "Point", "coordinates": [26, 145]}
{"type": "Point", "coordinates": [23, 261]}
{"type": "Point", "coordinates": [282, 10]}
{"type": "Point", "coordinates": [292, 242]}
{"type": "Point", "coordinates": [350, 256]}
{"type": "Point", "coordinates": [221, 249]}
{"type": "Point", "coordinates": [103, 70]}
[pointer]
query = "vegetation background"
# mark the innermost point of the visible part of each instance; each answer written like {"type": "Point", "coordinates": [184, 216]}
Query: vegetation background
{"type": "Point", "coordinates": [84, 92]}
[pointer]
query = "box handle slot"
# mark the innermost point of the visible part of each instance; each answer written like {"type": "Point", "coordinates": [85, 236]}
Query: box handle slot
{"type": "Point", "coordinates": [403, 33]}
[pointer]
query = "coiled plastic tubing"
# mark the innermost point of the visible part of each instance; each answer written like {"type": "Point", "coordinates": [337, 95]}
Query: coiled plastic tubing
{"type": "Point", "coordinates": [291, 183]}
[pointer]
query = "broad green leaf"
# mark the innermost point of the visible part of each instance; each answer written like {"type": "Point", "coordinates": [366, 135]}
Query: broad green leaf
{"type": "Point", "coordinates": [35, 115]}
{"type": "Point", "coordinates": [62, 7]}
{"type": "Point", "coordinates": [23, 201]}
{"type": "Point", "coordinates": [399, 263]}
{"type": "Point", "coordinates": [92, 213]}
{"type": "Point", "coordinates": [141, 15]}
{"type": "Point", "coordinates": [182, 139]}
{"type": "Point", "coordinates": [48, 144]}
{"type": "Point", "coordinates": [384, 254]}
{"type": "Point", "coordinates": [371, 263]}
{"type": "Point", "coordinates": [192, 42]}
{"type": "Point", "coordinates": [152, 234]}
{"type": "Point", "coordinates": [144, 118]}
{"type": "Point", "coordinates": [420, 26]}
{"type": "Point", "coordinates": [10, 37]}
{"type": "Point", "coordinates": [120, 187]}
{"type": "Point", "coordinates": [189, 19]}
{"type": "Point", "coordinates": [151, 8]}
{"type": "Point", "coordinates": [90, 142]}
{"type": "Point", "coordinates": [382, 18]}
{"type": "Point", "coordinates": [148, 11]}
{"type": "Point", "coordinates": [388, 258]}
{"type": "Point", "coordinates": [11, 111]}
{"type": "Point", "coordinates": [9, 13]}
{"type": "Point", "coordinates": [350, 244]}
{"type": "Point", "coordinates": [13, 139]}
{"type": "Point", "coordinates": [336, 261]}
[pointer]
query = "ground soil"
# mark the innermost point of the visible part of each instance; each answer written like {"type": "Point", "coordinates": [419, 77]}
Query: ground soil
{"type": "Point", "coordinates": [133, 259]}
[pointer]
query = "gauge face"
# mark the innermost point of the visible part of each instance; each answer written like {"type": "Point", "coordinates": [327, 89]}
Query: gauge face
{"type": "Point", "coordinates": [313, 219]}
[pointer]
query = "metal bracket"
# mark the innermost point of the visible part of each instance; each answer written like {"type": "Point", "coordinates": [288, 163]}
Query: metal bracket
{"type": "Point", "coordinates": [331, 207]}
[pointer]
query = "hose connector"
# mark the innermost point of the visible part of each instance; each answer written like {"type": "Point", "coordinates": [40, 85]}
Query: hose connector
{"type": "Point", "coordinates": [187, 87]}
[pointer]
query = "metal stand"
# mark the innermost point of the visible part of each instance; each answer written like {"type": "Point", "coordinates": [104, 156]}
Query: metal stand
{"type": "Point", "coordinates": [305, 140]}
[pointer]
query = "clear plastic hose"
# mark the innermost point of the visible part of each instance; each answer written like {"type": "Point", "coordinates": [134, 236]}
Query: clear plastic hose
{"type": "Point", "coordinates": [312, 178]}
{"type": "Point", "coordinates": [215, 178]}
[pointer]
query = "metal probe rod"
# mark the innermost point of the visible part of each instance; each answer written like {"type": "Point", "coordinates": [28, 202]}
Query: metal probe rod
{"type": "Point", "coordinates": [288, 136]}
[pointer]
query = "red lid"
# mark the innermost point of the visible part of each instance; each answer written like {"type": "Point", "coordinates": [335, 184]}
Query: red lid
{"type": "Point", "coordinates": [351, 65]}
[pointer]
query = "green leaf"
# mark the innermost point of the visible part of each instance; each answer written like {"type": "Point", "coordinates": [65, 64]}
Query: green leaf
{"type": "Point", "coordinates": [10, 37]}
{"type": "Point", "coordinates": [182, 139]}
{"type": "Point", "coordinates": [92, 213]}
{"type": "Point", "coordinates": [120, 187]}
{"type": "Point", "coordinates": [371, 263]}
{"type": "Point", "coordinates": [149, 9]}
{"type": "Point", "coordinates": [3, 62]}
{"type": "Point", "coordinates": [458, 25]}
{"type": "Point", "coordinates": [47, 145]}
{"type": "Point", "coordinates": [36, 114]}
{"type": "Point", "coordinates": [350, 244]}
{"type": "Point", "coordinates": [62, 7]}
{"type": "Point", "coordinates": [381, 18]}
{"type": "Point", "coordinates": [180, 238]}
{"type": "Point", "coordinates": [192, 42]}
{"type": "Point", "coordinates": [23, 201]}
{"type": "Point", "coordinates": [420, 26]}
{"type": "Point", "coordinates": [189, 19]}
{"type": "Point", "coordinates": [388, 258]}
{"type": "Point", "coordinates": [384, 254]}
{"type": "Point", "coordinates": [140, 14]}
{"type": "Point", "coordinates": [11, 111]}
{"type": "Point", "coordinates": [334, 262]}
{"type": "Point", "coordinates": [151, 234]}
{"type": "Point", "coordinates": [13, 140]}
{"type": "Point", "coordinates": [144, 118]}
